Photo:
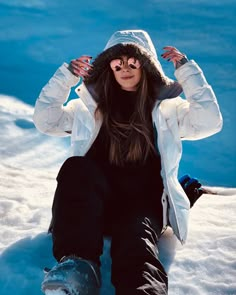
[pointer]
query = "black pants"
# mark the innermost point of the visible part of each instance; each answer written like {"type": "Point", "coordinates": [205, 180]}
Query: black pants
{"type": "Point", "coordinates": [89, 204]}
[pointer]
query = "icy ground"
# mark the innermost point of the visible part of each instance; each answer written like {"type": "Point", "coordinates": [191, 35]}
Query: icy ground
{"type": "Point", "coordinates": [29, 164]}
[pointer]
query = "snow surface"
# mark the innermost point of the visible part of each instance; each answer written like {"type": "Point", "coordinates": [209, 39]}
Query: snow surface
{"type": "Point", "coordinates": [56, 292]}
{"type": "Point", "coordinates": [29, 165]}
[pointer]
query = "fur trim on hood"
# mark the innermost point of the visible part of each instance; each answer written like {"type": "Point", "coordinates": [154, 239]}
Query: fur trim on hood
{"type": "Point", "coordinates": [138, 44]}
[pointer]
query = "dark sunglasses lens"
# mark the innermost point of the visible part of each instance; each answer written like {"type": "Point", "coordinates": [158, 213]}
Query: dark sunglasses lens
{"type": "Point", "coordinates": [117, 68]}
{"type": "Point", "coordinates": [132, 66]}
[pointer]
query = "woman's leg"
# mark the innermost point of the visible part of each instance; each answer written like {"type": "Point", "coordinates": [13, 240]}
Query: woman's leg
{"type": "Point", "coordinates": [77, 213]}
{"type": "Point", "coordinates": [136, 268]}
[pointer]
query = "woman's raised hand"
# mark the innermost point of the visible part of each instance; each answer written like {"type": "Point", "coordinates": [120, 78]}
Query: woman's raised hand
{"type": "Point", "coordinates": [80, 66]}
{"type": "Point", "coordinates": [173, 54]}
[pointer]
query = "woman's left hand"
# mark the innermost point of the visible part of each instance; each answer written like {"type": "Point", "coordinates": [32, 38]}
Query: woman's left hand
{"type": "Point", "coordinates": [173, 54]}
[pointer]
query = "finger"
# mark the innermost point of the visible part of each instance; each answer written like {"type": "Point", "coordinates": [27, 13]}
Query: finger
{"type": "Point", "coordinates": [82, 73]}
{"type": "Point", "coordinates": [79, 74]}
{"type": "Point", "coordinates": [75, 72]}
{"type": "Point", "coordinates": [82, 59]}
{"type": "Point", "coordinates": [74, 67]}
{"type": "Point", "coordinates": [82, 64]}
{"type": "Point", "coordinates": [78, 71]}
{"type": "Point", "coordinates": [174, 59]}
{"type": "Point", "coordinates": [172, 54]}
{"type": "Point", "coordinates": [169, 48]}
{"type": "Point", "coordinates": [85, 58]}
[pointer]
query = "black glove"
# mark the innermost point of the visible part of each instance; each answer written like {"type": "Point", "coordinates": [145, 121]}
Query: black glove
{"type": "Point", "coordinates": [192, 188]}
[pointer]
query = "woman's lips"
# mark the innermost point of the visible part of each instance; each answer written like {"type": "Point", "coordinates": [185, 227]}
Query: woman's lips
{"type": "Point", "coordinates": [127, 78]}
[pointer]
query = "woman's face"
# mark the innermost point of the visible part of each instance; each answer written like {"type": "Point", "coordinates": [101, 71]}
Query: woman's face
{"type": "Point", "coordinates": [127, 72]}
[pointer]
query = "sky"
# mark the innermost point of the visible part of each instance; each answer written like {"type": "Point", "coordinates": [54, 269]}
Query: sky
{"type": "Point", "coordinates": [36, 37]}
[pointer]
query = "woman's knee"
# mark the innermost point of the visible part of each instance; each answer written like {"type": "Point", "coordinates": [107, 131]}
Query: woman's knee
{"type": "Point", "coordinates": [135, 240]}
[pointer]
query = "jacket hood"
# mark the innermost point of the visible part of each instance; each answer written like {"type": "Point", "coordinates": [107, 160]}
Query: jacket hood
{"type": "Point", "coordinates": [138, 44]}
{"type": "Point", "coordinates": [138, 38]}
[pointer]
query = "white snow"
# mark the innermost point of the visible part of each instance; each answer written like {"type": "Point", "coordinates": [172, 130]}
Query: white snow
{"type": "Point", "coordinates": [206, 264]}
{"type": "Point", "coordinates": [55, 292]}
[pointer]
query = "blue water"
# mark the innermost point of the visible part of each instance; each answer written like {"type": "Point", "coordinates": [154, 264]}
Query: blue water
{"type": "Point", "coordinates": [36, 36]}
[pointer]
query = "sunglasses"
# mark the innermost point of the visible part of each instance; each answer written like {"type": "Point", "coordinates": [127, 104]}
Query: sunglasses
{"type": "Point", "coordinates": [117, 64]}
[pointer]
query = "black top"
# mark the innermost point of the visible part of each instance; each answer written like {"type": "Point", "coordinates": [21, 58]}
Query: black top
{"type": "Point", "coordinates": [140, 174]}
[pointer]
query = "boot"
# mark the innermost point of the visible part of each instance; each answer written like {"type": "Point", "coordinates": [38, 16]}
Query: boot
{"type": "Point", "coordinates": [72, 276]}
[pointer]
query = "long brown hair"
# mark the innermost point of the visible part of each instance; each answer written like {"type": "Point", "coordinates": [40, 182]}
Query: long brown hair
{"type": "Point", "coordinates": [133, 141]}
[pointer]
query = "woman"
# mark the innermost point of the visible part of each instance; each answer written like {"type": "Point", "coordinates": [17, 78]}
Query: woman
{"type": "Point", "coordinates": [126, 130]}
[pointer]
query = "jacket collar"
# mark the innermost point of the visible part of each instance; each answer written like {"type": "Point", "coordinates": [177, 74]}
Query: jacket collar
{"type": "Point", "coordinates": [87, 95]}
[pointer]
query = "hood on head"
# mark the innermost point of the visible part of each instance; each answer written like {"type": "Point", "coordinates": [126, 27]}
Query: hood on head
{"type": "Point", "coordinates": [139, 38]}
{"type": "Point", "coordinates": [138, 44]}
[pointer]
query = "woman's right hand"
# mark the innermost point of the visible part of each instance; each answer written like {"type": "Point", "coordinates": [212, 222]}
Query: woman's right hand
{"type": "Point", "coordinates": [80, 66]}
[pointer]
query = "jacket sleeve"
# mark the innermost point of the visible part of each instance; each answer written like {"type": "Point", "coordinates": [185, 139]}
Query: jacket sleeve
{"type": "Point", "coordinates": [198, 115]}
{"type": "Point", "coordinates": [51, 116]}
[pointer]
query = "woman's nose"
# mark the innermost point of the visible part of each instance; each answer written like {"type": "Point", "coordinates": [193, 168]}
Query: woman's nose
{"type": "Point", "coordinates": [126, 66]}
